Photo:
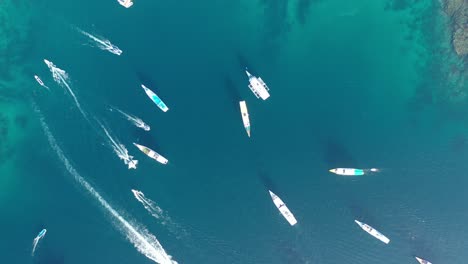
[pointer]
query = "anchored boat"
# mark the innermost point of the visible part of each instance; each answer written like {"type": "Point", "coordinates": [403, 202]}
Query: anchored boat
{"type": "Point", "coordinates": [155, 98]}
{"type": "Point", "coordinates": [258, 86]}
{"type": "Point", "coordinates": [245, 116]}
{"type": "Point", "coordinates": [422, 261]}
{"type": "Point", "coordinates": [347, 171]}
{"type": "Point", "coordinates": [369, 229]}
{"type": "Point", "coordinates": [126, 3]}
{"type": "Point", "coordinates": [283, 209]}
{"type": "Point", "coordinates": [152, 154]}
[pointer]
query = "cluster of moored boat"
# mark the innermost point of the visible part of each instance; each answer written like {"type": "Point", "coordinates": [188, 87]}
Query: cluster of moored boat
{"type": "Point", "coordinates": [369, 229]}
{"type": "Point", "coordinates": [261, 91]}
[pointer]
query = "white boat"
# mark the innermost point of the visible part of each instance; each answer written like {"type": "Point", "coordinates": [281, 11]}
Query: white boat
{"type": "Point", "coordinates": [422, 261]}
{"type": "Point", "coordinates": [347, 171]}
{"type": "Point", "coordinates": [258, 86]}
{"type": "Point", "coordinates": [369, 229]}
{"type": "Point", "coordinates": [283, 209]}
{"type": "Point", "coordinates": [155, 98]}
{"type": "Point", "coordinates": [245, 116]}
{"type": "Point", "coordinates": [151, 153]}
{"type": "Point", "coordinates": [37, 239]}
{"type": "Point", "coordinates": [126, 3]}
{"type": "Point", "coordinates": [40, 82]}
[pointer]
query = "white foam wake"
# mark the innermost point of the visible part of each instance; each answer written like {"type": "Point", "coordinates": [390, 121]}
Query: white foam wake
{"type": "Point", "coordinates": [61, 77]}
{"type": "Point", "coordinates": [120, 150]}
{"type": "Point", "coordinates": [149, 205]}
{"type": "Point", "coordinates": [102, 43]}
{"type": "Point", "coordinates": [35, 242]}
{"type": "Point", "coordinates": [144, 242]}
{"type": "Point", "coordinates": [162, 216]}
{"type": "Point", "coordinates": [138, 122]}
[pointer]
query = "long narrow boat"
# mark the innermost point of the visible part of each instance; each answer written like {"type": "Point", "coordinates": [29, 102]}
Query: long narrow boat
{"type": "Point", "coordinates": [155, 98]}
{"type": "Point", "coordinates": [369, 229]}
{"type": "Point", "coordinates": [422, 261]}
{"type": "Point", "coordinates": [245, 116]}
{"type": "Point", "coordinates": [283, 209]}
{"type": "Point", "coordinates": [152, 154]}
{"type": "Point", "coordinates": [347, 171]}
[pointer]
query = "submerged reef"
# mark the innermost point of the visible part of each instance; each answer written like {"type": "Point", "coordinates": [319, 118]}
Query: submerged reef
{"type": "Point", "coordinates": [457, 10]}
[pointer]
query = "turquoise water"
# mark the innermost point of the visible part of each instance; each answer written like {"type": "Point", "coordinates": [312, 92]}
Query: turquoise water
{"type": "Point", "coordinates": [353, 84]}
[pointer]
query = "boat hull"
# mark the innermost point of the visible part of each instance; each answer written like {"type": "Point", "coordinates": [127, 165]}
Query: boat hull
{"type": "Point", "coordinates": [422, 261]}
{"type": "Point", "coordinates": [371, 231]}
{"type": "Point", "coordinates": [155, 98]}
{"type": "Point", "coordinates": [347, 171]}
{"type": "Point", "coordinates": [283, 209]}
{"type": "Point", "coordinates": [258, 86]}
{"type": "Point", "coordinates": [152, 154]}
{"type": "Point", "coordinates": [245, 116]}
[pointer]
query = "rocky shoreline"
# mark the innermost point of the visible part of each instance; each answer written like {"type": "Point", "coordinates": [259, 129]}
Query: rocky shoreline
{"type": "Point", "coordinates": [457, 10]}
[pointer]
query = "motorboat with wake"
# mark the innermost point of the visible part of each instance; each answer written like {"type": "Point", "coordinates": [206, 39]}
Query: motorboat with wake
{"type": "Point", "coordinates": [126, 3]}
{"type": "Point", "coordinates": [155, 98]}
{"type": "Point", "coordinates": [41, 83]}
{"type": "Point", "coordinates": [351, 171]}
{"type": "Point", "coordinates": [422, 261]}
{"type": "Point", "coordinates": [245, 116]}
{"type": "Point", "coordinates": [258, 86]}
{"type": "Point", "coordinates": [283, 209]}
{"type": "Point", "coordinates": [138, 122]}
{"type": "Point", "coordinates": [37, 238]}
{"type": "Point", "coordinates": [369, 229]}
{"type": "Point", "coordinates": [152, 154]}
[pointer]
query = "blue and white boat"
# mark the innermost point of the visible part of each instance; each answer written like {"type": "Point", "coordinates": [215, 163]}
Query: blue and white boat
{"type": "Point", "coordinates": [155, 98]}
{"type": "Point", "coordinates": [41, 234]}
{"type": "Point", "coordinates": [37, 239]}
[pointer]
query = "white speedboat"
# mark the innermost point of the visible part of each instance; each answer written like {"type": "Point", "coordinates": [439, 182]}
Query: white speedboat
{"type": "Point", "coordinates": [369, 229]}
{"type": "Point", "coordinates": [422, 261]}
{"type": "Point", "coordinates": [283, 209]}
{"type": "Point", "coordinates": [40, 82]}
{"type": "Point", "coordinates": [152, 154]}
{"type": "Point", "coordinates": [126, 3]}
{"type": "Point", "coordinates": [258, 86]}
{"type": "Point", "coordinates": [155, 98]}
{"type": "Point", "coordinates": [245, 116]}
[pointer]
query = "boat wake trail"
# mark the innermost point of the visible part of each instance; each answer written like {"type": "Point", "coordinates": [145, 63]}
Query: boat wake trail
{"type": "Point", "coordinates": [191, 237]}
{"type": "Point", "coordinates": [36, 241]}
{"type": "Point", "coordinates": [145, 242]}
{"type": "Point", "coordinates": [162, 216]}
{"type": "Point", "coordinates": [61, 77]}
{"type": "Point", "coordinates": [102, 43]}
{"type": "Point", "coordinates": [120, 150]}
{"type": "Point", "coordinates": [149, 205]}
{"type": "Point", "coordinates": [135, 120]}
